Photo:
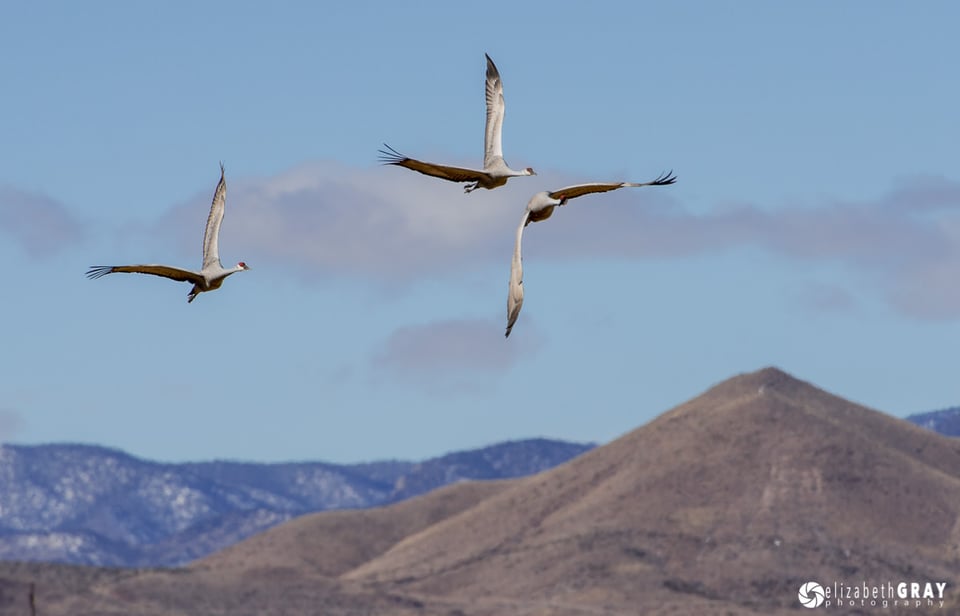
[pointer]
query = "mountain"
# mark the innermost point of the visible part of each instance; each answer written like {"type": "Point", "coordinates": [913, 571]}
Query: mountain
{"type": "Point", "coordinates": [92, 505]}
{"type": "Point", "coordinates": [946, 422]}
{"type": "Point", "coordinates": [334, 542]}
{"type": "Point", "coordinates": [724, 505]}
{"type": "Point", "coordinates": [738, 496]}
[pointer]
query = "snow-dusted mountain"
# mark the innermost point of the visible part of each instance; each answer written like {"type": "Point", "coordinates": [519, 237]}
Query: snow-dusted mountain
{"type": "Point", "coordinates": [946, 422]}
{"type": "Point", "coordinates": [92, 505]}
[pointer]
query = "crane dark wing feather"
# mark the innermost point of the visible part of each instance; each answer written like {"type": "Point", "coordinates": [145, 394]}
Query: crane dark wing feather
{"type": "Point", "coordinates": [174, 273]}
{"type": "Point", "coordinates": [444, 172]}
{"type": "Point", "coordinates": [578, 190]}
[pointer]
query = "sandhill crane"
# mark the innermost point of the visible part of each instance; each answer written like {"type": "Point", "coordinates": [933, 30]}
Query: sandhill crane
{"type": "Point", "coordinates": [540, 207]}
{"type": "Point", "coordinates": [212, 273]}
{"type": "Point", "coordinates": [495, 171]}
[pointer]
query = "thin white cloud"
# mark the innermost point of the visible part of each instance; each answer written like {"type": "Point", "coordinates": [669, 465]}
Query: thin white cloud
{"type": "Point", "coordinates": [929, 290]}
{"type": "Point", "coordinates": [393, 226]}
{"type": "Point", "coordinates": [41, 225]}
{"type": "Point", "coordinates": [325, 219]}
{"type": "Point", "coordinates": [11, 422]}
{"type": "Point", "coordinates": [885, 232]}
{"type": "Point", "coordinates": [453, 355]}
{"type": "Point", "coordinates": [823, 297]}
{"type": "Point", "coordinates": [906, 243]}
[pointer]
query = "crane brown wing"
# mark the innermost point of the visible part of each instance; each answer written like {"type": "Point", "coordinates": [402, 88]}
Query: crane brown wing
{"type": "Point", "coordinates": [174, 273]}
{"type": "Point", "coordinates": [578, 190]}
{"type": "Point", "coordinates": [445, 172]}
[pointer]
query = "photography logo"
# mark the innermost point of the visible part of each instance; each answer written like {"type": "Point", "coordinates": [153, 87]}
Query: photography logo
{"type": "Point", "coordinates": [899, 595]}
{"type": "Point", "coordinates": [811, 595]}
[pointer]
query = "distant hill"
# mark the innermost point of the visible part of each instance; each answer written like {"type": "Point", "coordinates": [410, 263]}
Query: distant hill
{"type": "Point", "coordinates": [725, 505]}
{"type": "Point", "coordinates": [946, 422]}
{"type": "Point", "coordinates": [92, 505]}
{"type": "Point", "coordinates": [738, 496]}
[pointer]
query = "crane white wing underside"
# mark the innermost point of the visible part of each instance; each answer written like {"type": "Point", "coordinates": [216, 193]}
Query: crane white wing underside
{"type": "Point", "coordinates": [492, 144]}
{"type": "Point", "coordinates": [211, 235]}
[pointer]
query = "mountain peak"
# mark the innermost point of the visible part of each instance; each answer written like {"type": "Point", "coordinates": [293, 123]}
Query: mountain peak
{"type": "Point", "coordinates": [766, 379]}
{"type": "Point", "coordinates": [755, 396]}
{"type": "Point", "coordinates": [772, 376]}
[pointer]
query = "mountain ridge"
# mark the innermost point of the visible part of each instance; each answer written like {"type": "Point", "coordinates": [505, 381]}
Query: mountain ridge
{"type": "Point", "coordinates": [85, 504]}
{"type": "Point", "coordinates": [944, 421]}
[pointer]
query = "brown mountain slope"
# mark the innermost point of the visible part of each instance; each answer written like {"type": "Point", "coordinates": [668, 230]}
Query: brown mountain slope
{"type": "Point", "coordinates": [740, 495]}
{"type": "Point", "coordinates": [290, 569]}
{"type": "Point", "coordinates": [333, 542]}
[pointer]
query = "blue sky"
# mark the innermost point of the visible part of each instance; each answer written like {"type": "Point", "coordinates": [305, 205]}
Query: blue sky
{"type": "Point", "coordinates": [815, 224]}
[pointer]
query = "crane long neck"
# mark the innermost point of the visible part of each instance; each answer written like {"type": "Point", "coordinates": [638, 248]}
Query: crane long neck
{"type": "Point", "coordinates": [517, 248]}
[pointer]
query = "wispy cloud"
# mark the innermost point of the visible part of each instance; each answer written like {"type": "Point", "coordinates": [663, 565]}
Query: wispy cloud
{"type": "Point", "coordinates": [888, 231]}
{"type": "Point", "coordinates": [906, 243]}
{"type": "Point", "coordinates": [453, 355]}
{"type": "Point", "coordinates": [392, 226]}
{"type": "Point", "coordinates": [11, 422]}
{"type": "Point", "coordinates": [41, 225]}
{"type": "Point", "coordinates": [325, 219]}
{"type": "Point", "coordinates": [823, 297]}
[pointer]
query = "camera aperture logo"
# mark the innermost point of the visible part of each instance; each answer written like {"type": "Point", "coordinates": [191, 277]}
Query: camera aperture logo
{"type": "Point", "coordinates": [878, 596]}
{"type": "Point", "coordinates": [811, 595]}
